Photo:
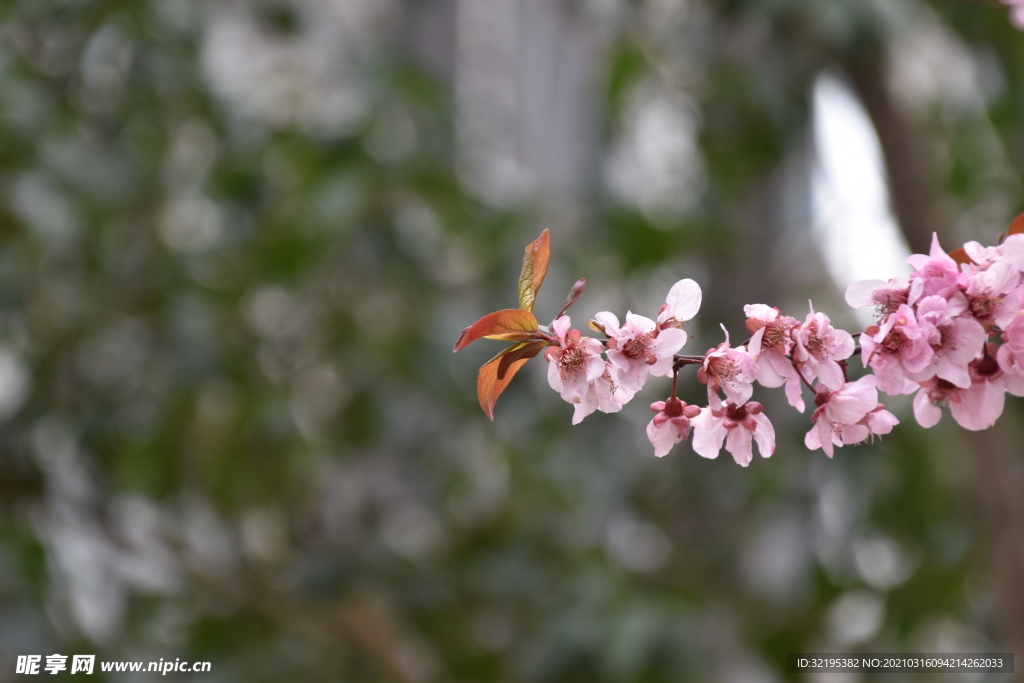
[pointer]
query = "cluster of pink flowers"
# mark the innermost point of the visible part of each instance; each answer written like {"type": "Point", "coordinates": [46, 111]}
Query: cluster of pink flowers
{"type": "Point", "coordinates": [780, 351]}
{"type": "Point", "coordinates": [641, 347]}
{"type": "Point", "coordinates": [952, 333]}
{"type": "Point", "coordinates": [937, 332]}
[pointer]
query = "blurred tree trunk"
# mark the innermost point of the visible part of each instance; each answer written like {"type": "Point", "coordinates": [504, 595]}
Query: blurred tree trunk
{"type": "Point", "coordinates": [911, 187]}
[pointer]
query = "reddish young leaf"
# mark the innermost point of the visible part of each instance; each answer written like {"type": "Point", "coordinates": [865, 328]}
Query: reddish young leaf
{"type": "Point", "coordinates": [516, 352]}
{"type": "Point", "coordinates": [488, 383]}
{"type": "Point", "coordinates": [960, 256]}
{"type": "Point", "coordinates": [535, 267]}
{"type": "Point", "coordinates": [511, 324]}
{"type": "Point", "coordinates": [1017, 226]}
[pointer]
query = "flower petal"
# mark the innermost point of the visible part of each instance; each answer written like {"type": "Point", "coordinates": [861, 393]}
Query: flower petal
{"type": "Point", "coordinates": [609, 321]}
{"type": "Point", "coordinates": [738, 443]}
{"type": "Point", "coordinates": [764, 435]}
{"type": "Point", "coordinates": [861, 293]}
{"type": "Point", "coordinates": [683, 301]}
{"type": "Point", "coordinates": [708, 442]}
{"type": "Point", "coordinates": [980, 406]}
{"type": "Point", "coordinates": [926, 412]}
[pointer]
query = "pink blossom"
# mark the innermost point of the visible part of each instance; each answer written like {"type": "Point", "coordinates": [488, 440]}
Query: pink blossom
{"type": "Point", "coordinates": [770, 344]}
{"type": "Point", "coordinates": [990, 296]}
{"type": "Point", "coordinates": [1012, 249]}
{"type": "Point", "coordinates": [820, 346]}
{"type": "Point", "coordinates": [878, 422]}
{"type": "Point", "coordinates": [1011, 356]}
{"type": "Point", "coordinates": [895, 349]}
{"type": "Point", "coordinates": [981, 255]}
{"type": "Point", "coordinates": [977, 407]}
{"type": "Point", "coordinates": [982, 403]}
{"type": "Point", "coordinates": [1013, 334]}
{"type": "Point", "coordinates": [729, 370]}
{"type": "Point", "coordinates": [639, 347]}
{"type": "Point", "coordinates": [794, 386]}
{"type": "Point", "coordinates": [574, 363]}
{"type": "Point", "coordinates": [886, 297]}
{"type": "Point", "coordinates": [735, 425]}
{"type": "Point", "coordinates": [671, 424]}
{"type": "Point", "coordinates": [681, 305]}
{"type": "Point", "coordinates": [938, 270]}
{"type": "Point", "coordinates": [604, 394]}
{"type": "Point", "coordinates": [955, 342]}
{"type": "Point", "coordinates": [838, 410]}
{"type": "Point", "coordinates": [933, 393]}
